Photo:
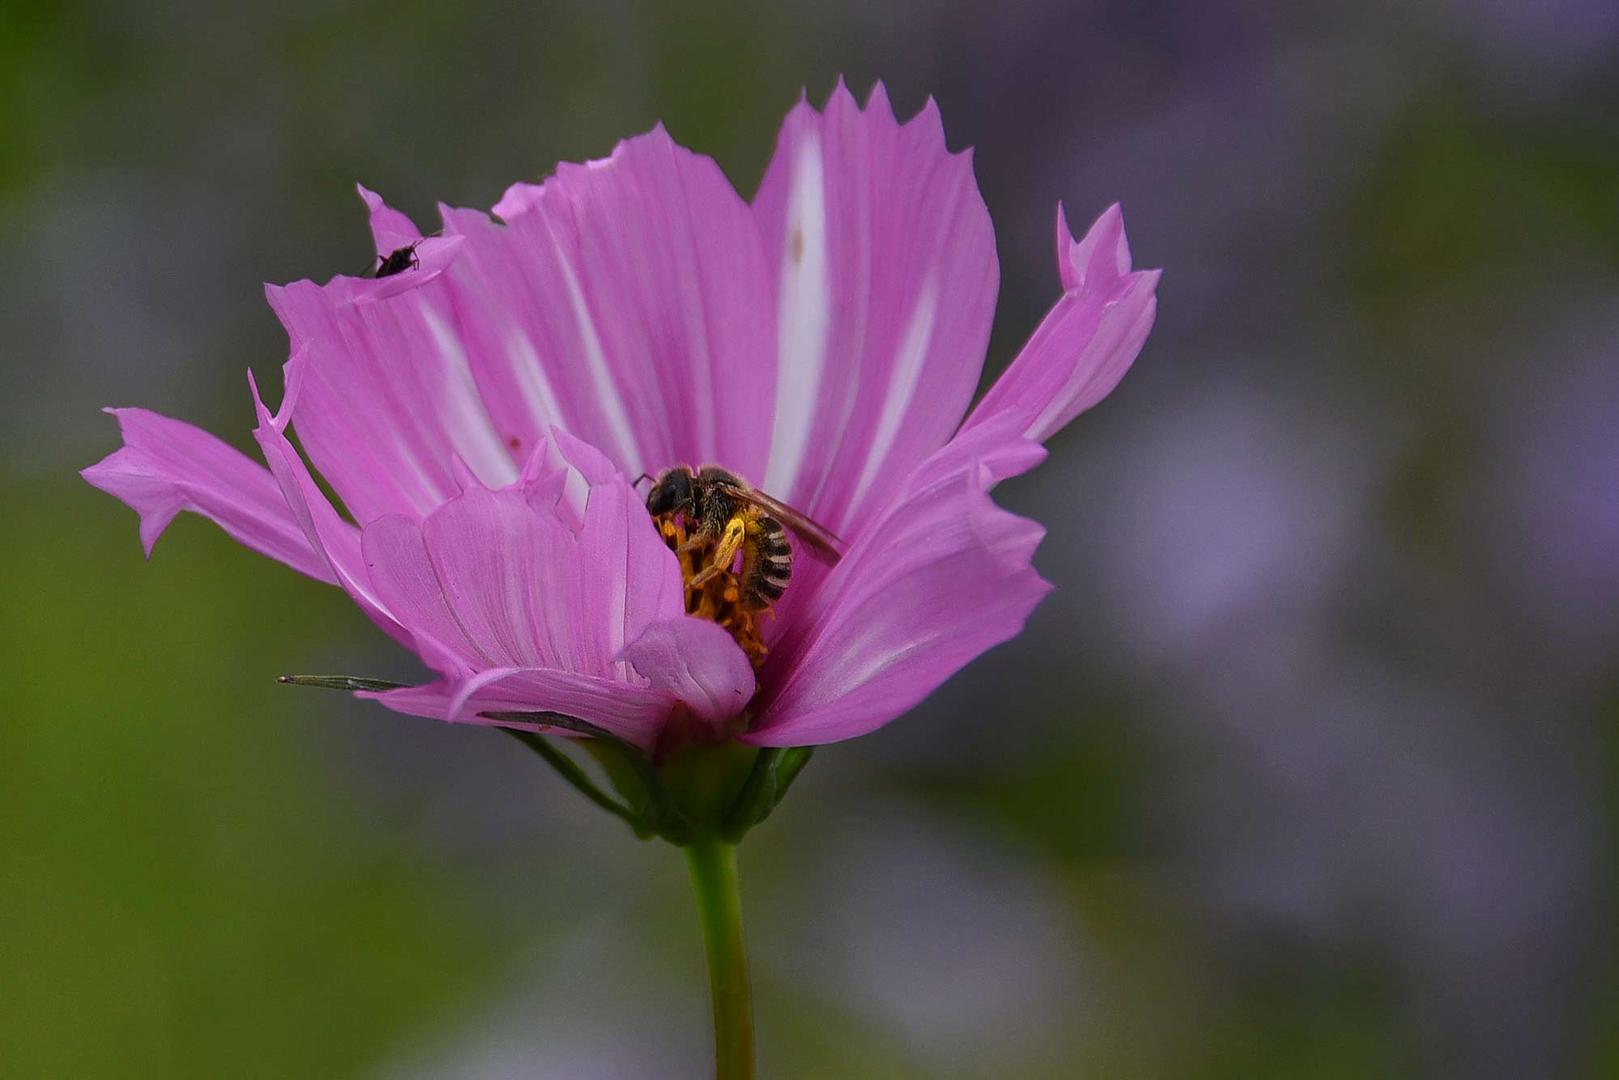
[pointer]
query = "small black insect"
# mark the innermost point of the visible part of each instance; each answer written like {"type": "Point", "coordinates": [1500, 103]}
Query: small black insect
{"type": "Point", "coordinates": [398, 261]}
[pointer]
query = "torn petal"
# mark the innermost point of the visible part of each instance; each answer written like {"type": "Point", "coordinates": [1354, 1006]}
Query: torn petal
{"type": "Point", "coordinates": [1086, 342]}
{"type": "Point", "coordinates": [166, 466]}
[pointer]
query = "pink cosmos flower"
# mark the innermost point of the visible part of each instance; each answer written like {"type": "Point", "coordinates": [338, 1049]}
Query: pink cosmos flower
{"type": "Point", "coordinates": [480, 414]}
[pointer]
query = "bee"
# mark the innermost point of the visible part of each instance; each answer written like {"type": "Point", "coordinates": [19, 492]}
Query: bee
{"type": "Point", "coordinates": [724, 511]}
{"type": "Point", "coordinates": [398, 261]}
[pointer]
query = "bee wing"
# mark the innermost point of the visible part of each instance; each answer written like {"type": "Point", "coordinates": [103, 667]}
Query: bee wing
{"type": "Point", "coordinates": [821, 539]}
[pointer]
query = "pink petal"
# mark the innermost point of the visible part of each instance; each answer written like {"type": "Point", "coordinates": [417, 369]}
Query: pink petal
{"type": "Point", "coordinates": [487, 576]}
{"type": "Point", "coordinates": [390, 229]}
{"type": "Point", "coordinates": [166, 466]}
{"type": "Point", "coordinates": [334, 539]}
{"type": "Point", "coordinates": [1098, 260]}
{"type": "Point", "coordinates": [504, 581]}
{"type": "Point", "coordinates": [1086, 342]}
{"type": "Point", "coordinates": [698, 663]}
{"type": "Point", "coordinates": [883, 265]}
{"type": "Point", "coordinates": [635, 713]}
{"type": "Point", "coordinates": [618, 544]}
{"type": "Point", "coordinates": [626, 301]}
{"type": "Point", "coordinates": [400, 571]}
{"type": "Point", "coordinates": [942, 575]}
{"type": "Point", "coordinates": [510, 577]}
{"type": "Point", "coordinates": [388, 396]}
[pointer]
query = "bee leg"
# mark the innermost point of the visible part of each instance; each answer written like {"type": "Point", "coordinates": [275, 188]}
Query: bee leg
{"type": "Point", "coordinates": [724, 552]}
{"type": "Point", "coordinates": [694, 537]}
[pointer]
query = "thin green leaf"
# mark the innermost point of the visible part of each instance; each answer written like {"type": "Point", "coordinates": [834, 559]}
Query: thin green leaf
{"type": "Point", "coordinates": [757, 796]}
{"type": "Point", "coordinates": [661, 817]}
{"type": "Point", "coordinates": [560, 720]}
{"type": "Point", "coordinates": [339, 682]}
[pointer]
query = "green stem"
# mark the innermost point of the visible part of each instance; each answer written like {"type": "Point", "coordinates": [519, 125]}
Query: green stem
{"type": "Point", "coordinates": [719, 905]}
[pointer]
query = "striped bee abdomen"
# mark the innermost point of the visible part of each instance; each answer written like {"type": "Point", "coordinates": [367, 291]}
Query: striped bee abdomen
{"type": "Point", "coordinates": [767, 562]}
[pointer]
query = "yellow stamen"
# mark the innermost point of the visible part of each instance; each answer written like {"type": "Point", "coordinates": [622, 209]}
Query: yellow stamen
{"type": "Point", "coordinates": [713, 593]}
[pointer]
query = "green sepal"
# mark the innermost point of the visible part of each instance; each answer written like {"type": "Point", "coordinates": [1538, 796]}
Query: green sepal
{"type": "Point", "coordinates": [774, 770]}
{"type": "Point", "coordinates": [704, 779]}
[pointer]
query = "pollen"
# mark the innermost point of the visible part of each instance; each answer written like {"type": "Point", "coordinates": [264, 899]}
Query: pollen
{"type": "Point", "coordinates": [719, 599]}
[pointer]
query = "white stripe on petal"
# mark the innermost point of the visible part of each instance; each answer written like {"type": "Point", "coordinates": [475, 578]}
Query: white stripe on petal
{"type": "Point", "coordinates": [531, 380]}
{"type": "Point", "coordinates": [903, 380]}
{"type": "Point", "coordinates": [804, 316]}
{"type": "Point", "coordinates": [471, 432]}
{"type": "Point", "coordinates": [618, 420]}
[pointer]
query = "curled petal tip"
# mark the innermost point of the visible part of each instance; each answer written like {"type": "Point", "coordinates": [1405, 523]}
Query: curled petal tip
{"type": "Point", "coordinates": [390, 229]}
{"type": "Point", "coordinates": [433, 256]}
{"type": "Point", "coordinates": [292, 373]}
{"type": "Point", "coordinates": [517, 200]}
{"type": "Point", "coordinates": [266, 420]}
{"type": "Point", "coordinates": [1101, 255]}
{"type": "Point", "coordinates": [465, 478]}
{"type": "Point", "coordinates": [1071, 276]}
{"type": "Point", "coordinates": [537, 465]}
{"type": "Point", "coordinates": [457, 709]}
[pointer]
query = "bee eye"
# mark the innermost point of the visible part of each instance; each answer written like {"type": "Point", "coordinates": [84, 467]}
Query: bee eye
{"type": "Point", "coordinates": [670, 493]}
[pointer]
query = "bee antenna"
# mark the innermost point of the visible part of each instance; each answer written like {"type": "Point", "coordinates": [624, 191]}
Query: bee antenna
{"type": "Point", "coordinates": [637, 481]}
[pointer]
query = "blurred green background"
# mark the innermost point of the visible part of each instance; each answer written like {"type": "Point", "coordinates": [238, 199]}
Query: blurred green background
{"type": "Point", "coordinates": [1305, 770]}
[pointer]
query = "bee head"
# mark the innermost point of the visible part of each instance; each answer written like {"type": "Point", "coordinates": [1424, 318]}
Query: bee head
{"type": "Point", "coordinates": [671, 492]}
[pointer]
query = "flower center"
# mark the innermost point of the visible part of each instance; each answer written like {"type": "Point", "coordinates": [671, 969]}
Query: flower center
{"type": "Point", "coordinates": [719, 598]}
